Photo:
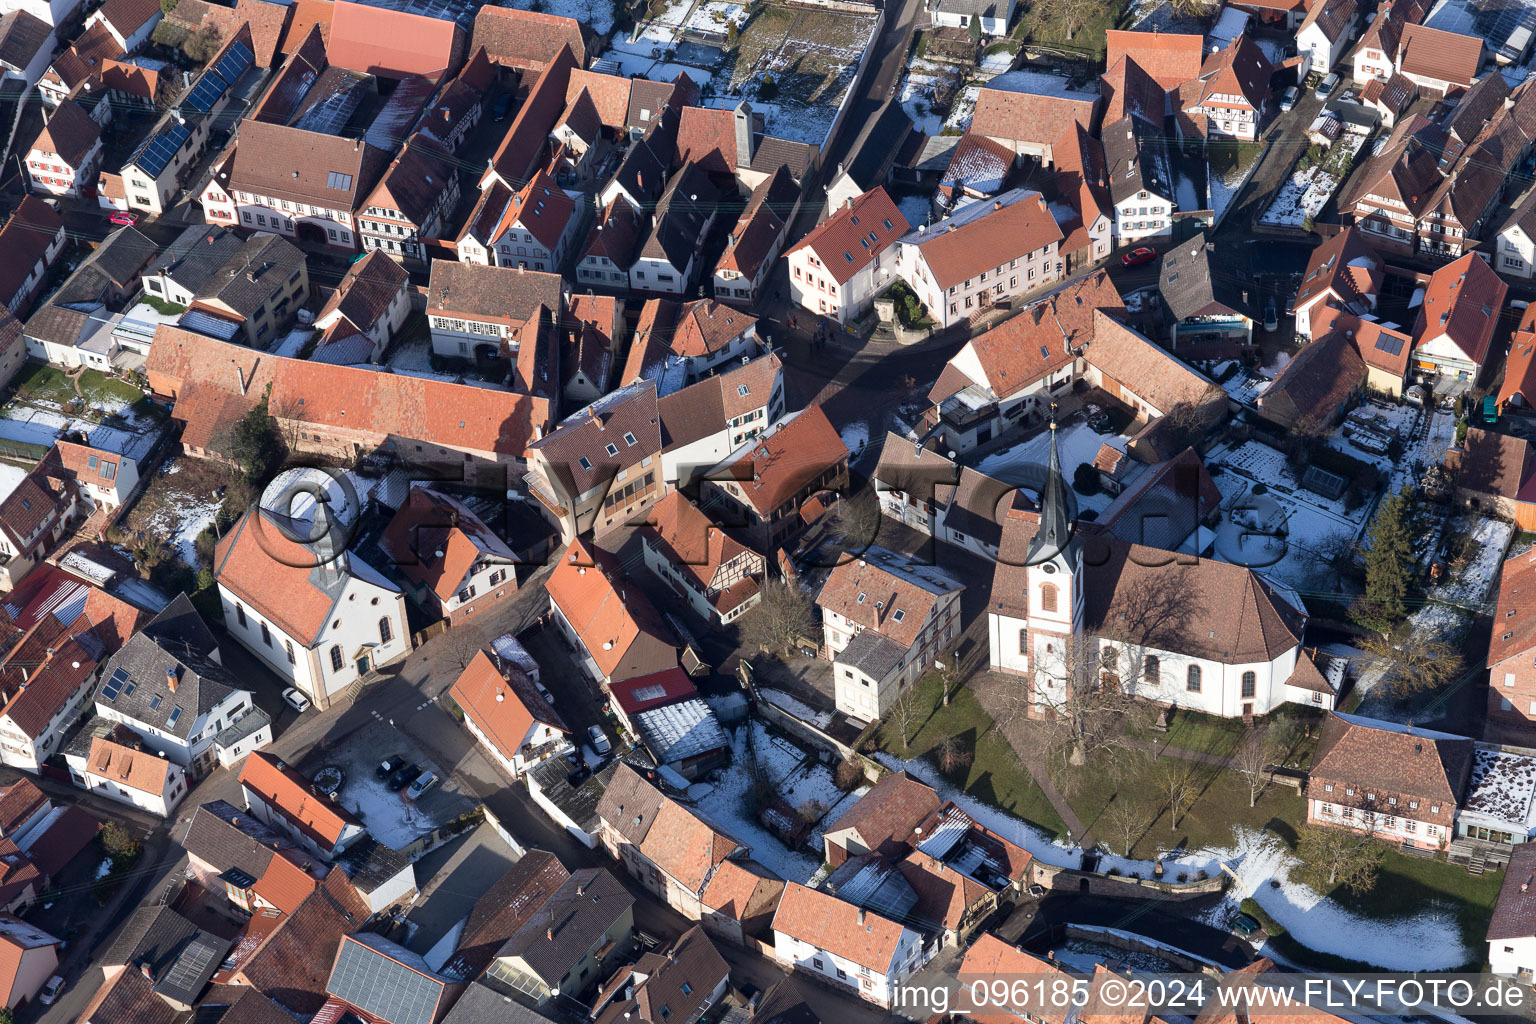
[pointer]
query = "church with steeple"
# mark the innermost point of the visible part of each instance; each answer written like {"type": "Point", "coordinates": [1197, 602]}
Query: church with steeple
{"type": "Point", "coordinates": [1071, 605]}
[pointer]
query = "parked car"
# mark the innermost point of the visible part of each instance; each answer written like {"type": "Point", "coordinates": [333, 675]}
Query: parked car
{"type": "Point", "coordinates": [1327, 85]}
{"type": "Point", "coordinates": [503, 105]}
{"type": "Point", "coordinates": [1288, 99]}
{"type": "Point", "coordinates": [549, 698]}
{"type": "Point", "coordinates": [599, 739]}
{"type": "Point", "coordinates": [296, 700]}
{"type": "Point", "coordinates": [1246, 926]}
{"type": "Point", "coordinates": [388, 766]}
{"type": "Point", "coordinates": [404, 777]}
{"type": "Point", "coordinates": [1136, 257]}
{"type": "Point", "coordinates": [125, 217]}
{"type": "Point", "coordinates": [1271, 315]}
{"type": "Point", "coordinates": [424, 782]}
{"type": "Point", "coordinates": [50, 990]}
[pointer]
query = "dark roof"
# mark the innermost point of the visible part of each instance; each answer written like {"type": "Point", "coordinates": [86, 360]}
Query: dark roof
{"type": "Point", "coordinates": [578, 802]}
{"type": "Point", "coordinates": [153, 935]}
{"type": "Point", "coordinates": [228, 837]}
{"type": "Point", "coordinates": [1188, 286]}
{"type": "Point", "coordinates": [1133, 162]}
{"type": "Point", "coordinates": [561, 932]}
{"type": "Point", "coordinates": [386, 981]}
{"type": "Point", "coordinates": [680, 218]}
{"type": "Point", "coordinates": [784, 1003]}
{"type": "Point", "coordinates": [1514, 912]}
{"type": "Point", "coordinates": [137, 685]}
{"type": "Point", "coordinates": [507, 906]}
{"type": "Point", "coordinates": [485, 1002]}
{"type": "Point", "coordinates": [872, 653]}
{"type": "Point", "coordinates": [22, 34]}
{"type": "Point", "coordinates": [196, 255]}
{"type": "Point", "coordinates": [257, 272]}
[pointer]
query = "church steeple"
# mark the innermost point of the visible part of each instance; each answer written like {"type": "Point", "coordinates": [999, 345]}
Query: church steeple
{"type": "Point", "coordinates": [1054, 536]}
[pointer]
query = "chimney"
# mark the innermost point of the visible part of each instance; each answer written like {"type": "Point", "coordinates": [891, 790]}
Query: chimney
{"type": "Point", "coordinates": [744, 152]}
{"type": "Point", "coordinates": [240, 375]}
{"type": "Point", "coordinates": [144, 970]}
{"type": "Point", "coordinates": [170, 679]}
{"type": "Point", "coordinates": [861, 915]}
{"type": "Point", "coordinates": [549, 935]}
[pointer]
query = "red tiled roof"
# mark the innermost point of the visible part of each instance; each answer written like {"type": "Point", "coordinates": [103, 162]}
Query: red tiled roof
{"type": "Point", "coordinates": [128, 16]}
{"type": "Point", "coordinates": [828, 923]}
{"type": "Point", "coordinates": [395, 44]}
{"type": "Point", "coordinates": [16, 938]}
{"type": "Point", "coordinates": [620, 629]}
{"type": "Point", "coordinates": [655, 690]}
{"type": "Point", "coordinates": [259, 564]}
{"type": "Point", "coordinates": [838, 240]}
{"type": "Point", "coordinates": [523, 147]}
{"type": "Point", "coordinates": [1439, 55]}
{"type": "Point", "coordinates": [289, 794]}
{"type": "Point", "coordinates": [958, 253]}
{"type": "Point", "coordinates": [435, 540]}
{"type": "Point", "coordinates": [1385, 761]}
{"type": "Point", "coordinates": [1520, 367]}
{"type": "Point", "coordinates": [293, 962]}
{"type": "Point", "coordinates": [527, 39]}
{"type": "Point", "coordinates": [1514, 619]}
{"type": "Point", "coordinates": [128, 768]}
{"type": "Point", "coordinates": [1128, 89]}
{"type": "Point", "coordinates": [1491, 463]}
{"type": "Point", "coordinates": [885, 816]}
{"type": "Point", "coordinates": [285, 885]}
{"type": "Point", "coordinates": [778, 465]}
{"type": "Point", "coordinates": [504, 713]}
{"type": "Point", "coordinates": [1462, 302]}
{"type": "Point", "coordinates": [686, 846]}
{"type": "Point", "coordinates": [1018, 116]}
{"type": "Point", "coordinates": [70, 133]}
{"type": "Point", "coordinates": [1170, 58]}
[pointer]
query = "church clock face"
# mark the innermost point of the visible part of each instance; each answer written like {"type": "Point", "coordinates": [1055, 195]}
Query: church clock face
{"type": "Point", "coordinates": [1048, 568]}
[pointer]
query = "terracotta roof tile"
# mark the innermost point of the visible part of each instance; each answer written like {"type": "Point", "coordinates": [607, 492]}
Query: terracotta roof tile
{"type": "Point", "coordinates": [885, 816]}
{"type": "Point", "coordinates": [838, 240]}
{"type": "Point", "coordinates": [879, 599]}
{"type": "Point", "coordinates": [393, 43]}
{"type": "Point", "coordinates": [1020, 116]}
{"type": "Point", "coordinates": [1128, 89]}
{"type": "Point", "coordinates": [289, 793]}
{"type": "Point", "coordinates": [70, 133]}
{"type": "Point", "coordinates": [957, 253]}
{"type": "Point", "coordinates": [1436, 54]}
{"type": "Point", "coordinates": [775, 467]}
{"type": "Point", "coordinates": [685, 846]}
{"type": "Point", "coordinates": [1491, 463]}
{"type": "Point", "coordinates": [1387, 760]}
{"type": "Point", "coordinates": [128, 768]}
{"type": "Point", "coordinates": [293, 963]}
{"type": "Point", "coordinates": [1520, 367]}
{"type": "Point", "coordinates": [1462, 302]}
{"type": "Point", "coordinates": [302, 166]}
{"type": "Point", "coordinates": [503, 909]}
{"type": "Point", "coordinates": [526, 39]}
{"type": "Point", "coordinates": [502, 703]}
{"type": "Point", "coordinates": [1169, 57]}
{"type": "Point", "coordinates": [828, 923]}
{"type": "Point", "coordinates": [620, 629]}
{"type": "Point", "coordinates": [687, 539]}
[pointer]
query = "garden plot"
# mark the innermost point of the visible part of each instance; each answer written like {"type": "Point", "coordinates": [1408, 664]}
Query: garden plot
{"type": "Point", "coordinates": [1296, 519]}
{"type": "Point", "coordinates": [1308, 190]}
{"type": "Point", "coordinates": [1469, 586]}
{"type": "Point", "coordinates": [596, 14]}
{"type": "Point", "coordinates": [34, 426]}
{"type": "Point", "coordinates": [920, 86]}
{"type": "Point", "coordinates": [1077, 442]}
{"type": "Point", "coordinates": [714, 16]}
{"type": "Point", "coordinates": [179, 503]}
{"type": "Point", "coordinates": [1426, 938]}
{"type": "Point", "coordinates": [789, 770]}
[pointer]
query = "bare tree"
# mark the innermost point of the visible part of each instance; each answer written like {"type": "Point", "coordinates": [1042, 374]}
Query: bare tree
{"type": "Point", "coordinates": [1128, 820]}
{"type": "Point", "coordinates": [1252, 757]}
{"type": "Point", "coordinates": [463, 644]}
{"type": "Point", "coordinates": [1178, 781]}
{"type": "Point", "coordinates": [954, 754]}
{"type": "Point", "coordinates": [857, 518]}
{"type": "Point", "coordinates": [1089, 707]}
{"type": "Point", "coordinates": [903, 714]}
{"type": "Point", "coordinates": [1412, 661]}
{"type": "Point", "coordinates": [1069, 15]}
{"type": "Point", "coordinates": [780, 618]}
{"type": "Point", "coordinates": [951, 673]}
{"type": "Point", "coordinates": [1339, 856]}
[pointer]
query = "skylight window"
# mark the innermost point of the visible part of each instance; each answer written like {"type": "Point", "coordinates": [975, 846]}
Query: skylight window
{"type": "Point", "coordinates": [629, 439]}
{"type": "Point", "coordinates": [898, 614]}
{"type": "Point", "coordinates": [175, 714]}
{"type": "Point", "coordinates": [742, 390]}
{"type": "Point", "coordinates": [585, 463]}
{"type": "Point", "coordinates": [90, 462]}
{"type": "Point", "coordinates": [887, 223]}
{"type": "Point", "coordinates": [848, 256]}
{"type": "Point", "coordinates": [612, 449]}
{"type": "Point", "coordinates": [861, 597]}
{"type": "Point", "coordinates": [338, 180]}
{"type": "Point", "coordinates": [154, 702]}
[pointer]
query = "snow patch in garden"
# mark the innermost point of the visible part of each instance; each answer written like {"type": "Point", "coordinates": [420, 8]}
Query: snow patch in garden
{"type": "Point", "coordinates": [597, 14]}
{"type": "Point", "coordinates": [444, 947]}
{"type": "Point", "coordinates": [104, 868]}
{"type": "Point", "coordinates": [799, 709]}
{"type": "Point", "coordinates": [728, 804]}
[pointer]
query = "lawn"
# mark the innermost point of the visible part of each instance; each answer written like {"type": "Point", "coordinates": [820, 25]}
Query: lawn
{"type": "Point", "coordinates": [1407, 883]}
{"type": "Point", "coordinates": [994, 775]}
{"type": "Point", "coordinates": [1208, 734]}
{"type": "Point", "coordinates": [46, 385]}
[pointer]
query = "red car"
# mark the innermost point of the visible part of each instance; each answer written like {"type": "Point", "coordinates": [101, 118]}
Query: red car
{"type": "Point", "coordinates": [127, 217]}
{"type": "Point", "coordinates": [1136, 257]}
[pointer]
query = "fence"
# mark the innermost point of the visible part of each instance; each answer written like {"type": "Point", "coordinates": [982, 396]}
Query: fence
{"type": "Point", "coordinates": [1123, 886]}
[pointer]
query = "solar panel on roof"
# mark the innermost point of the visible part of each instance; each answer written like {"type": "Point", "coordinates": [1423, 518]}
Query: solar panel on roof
{"type": "Point", "coordinates": [205, 93]}
{"type": "Point", "coordinates": [114, 684]}
{"type": "Point", "coordinates": [235, 62]}
{"type": "Point", "coordinates": [1392, 346]}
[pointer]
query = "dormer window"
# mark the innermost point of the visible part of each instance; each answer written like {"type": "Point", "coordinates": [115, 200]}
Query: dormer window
{"type": "Point", "coordinates": [1349, 790]}
{"type": "Point", "coordinates": [1327, 787]}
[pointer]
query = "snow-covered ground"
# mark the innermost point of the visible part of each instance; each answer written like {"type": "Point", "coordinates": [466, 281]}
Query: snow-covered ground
{"type": "Point", "coordinates": [182, 521]}
{"type": "Point", "coordinates": [728, 803]}
{"type": "Point", "coordinates": [1309, 518]}
{"type": "Point", "coordinates": [1305, 193]}
{"type": "Point", "coordinates": [915, 209]}
{"type": "Point", "coordinates": [413, 355]}
{"type": "Point", "coordinates": [922, 79]}
{"type": "Point", "coordinates": [714, 16]}
{"type": "Point", "coordinates": [1425, 939]}
{"type": "Point", "coordinates": [855, 437]}
{"type": "Point", "coordinates": [1078, 444]}
{"type": "Point", "coordinates": [390, 817]}
{"type": "Point", "coordinates": [797, 708]}
{"type": "Point", "coordinates": [34, 426]}
{"type": "Point", "coordinates": [292, 343]}
{"type": "Point", "coordinates": [1222, 188]}
{"type": "Point", "coordinates": [1469, 586]}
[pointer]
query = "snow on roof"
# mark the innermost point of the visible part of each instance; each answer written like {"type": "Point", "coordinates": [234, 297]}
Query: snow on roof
{"type": "Point", "coordinates": [77, 563]}
{"type": "Point", "coordinates": [1502, 785]}
{"type": "Point", "coordinates": [511, 649]}
{"type": "Point", "coordinates": [1228, 27]}
{"type": "Point", "coordinates": [1385, 726]}
{"type": "Point", "coordinates": [951, 829]}
{"type": "Point", "coordinates": [1039, 83]}
{"type": "Point", "coordinates": [680, 731]}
